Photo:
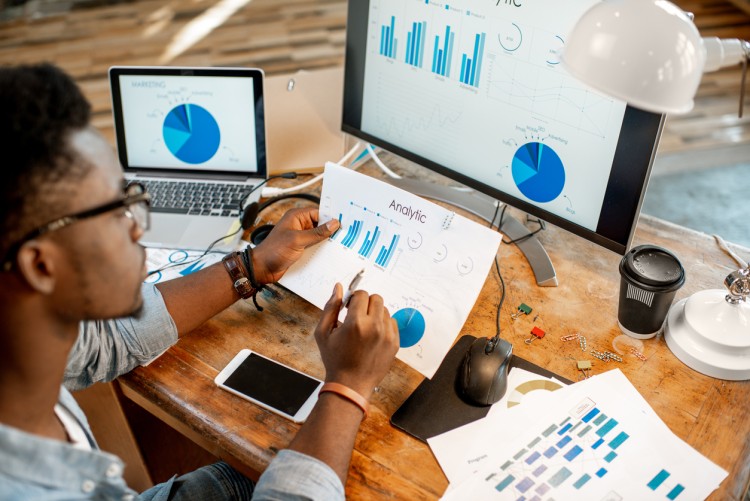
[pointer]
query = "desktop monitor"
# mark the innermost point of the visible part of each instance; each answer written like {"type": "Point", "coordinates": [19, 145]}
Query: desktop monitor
{"type": "Point", "coordinates": [474, 90]}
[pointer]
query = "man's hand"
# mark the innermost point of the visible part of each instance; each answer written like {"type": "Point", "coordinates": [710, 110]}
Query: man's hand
{"type": "Point", "coordinates": [359, 352]}
{"type": "Point", "coordinates": [295, 232]}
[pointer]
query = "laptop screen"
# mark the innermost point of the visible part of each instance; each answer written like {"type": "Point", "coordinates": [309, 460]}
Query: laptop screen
{"type": "Point", "coordinates": [190, 120]}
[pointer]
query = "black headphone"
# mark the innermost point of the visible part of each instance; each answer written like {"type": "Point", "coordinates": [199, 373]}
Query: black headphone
{"type": "Point", "coordinates": [250, 213]}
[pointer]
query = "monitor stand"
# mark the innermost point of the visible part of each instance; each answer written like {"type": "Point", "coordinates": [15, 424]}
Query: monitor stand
{"type": "Point", "coordinates": [484, 207]}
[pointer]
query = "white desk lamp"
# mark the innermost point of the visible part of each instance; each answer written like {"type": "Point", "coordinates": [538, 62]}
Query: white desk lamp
{"type": "Point", "coordinates": [650, 54]}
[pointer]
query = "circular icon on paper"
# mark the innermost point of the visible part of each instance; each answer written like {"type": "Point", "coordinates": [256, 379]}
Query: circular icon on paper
{"type": "Point", "coordinates": [414, 241]}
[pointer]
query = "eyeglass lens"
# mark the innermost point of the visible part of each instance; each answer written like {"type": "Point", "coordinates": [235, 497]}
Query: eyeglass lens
{"type": "Point", "coordinates": [140, 209]}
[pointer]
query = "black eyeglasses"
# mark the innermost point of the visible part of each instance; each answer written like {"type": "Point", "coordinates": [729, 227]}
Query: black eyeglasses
{"type": "Point", "coordinates": [136, 201]}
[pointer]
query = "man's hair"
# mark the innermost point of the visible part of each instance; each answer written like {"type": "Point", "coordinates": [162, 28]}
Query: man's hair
{"type": "Point", "coordinates": [40, 106]}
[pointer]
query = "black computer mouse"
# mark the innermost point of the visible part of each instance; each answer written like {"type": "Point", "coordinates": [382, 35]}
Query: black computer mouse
{"type": "Point", "coordinates": [483, 375]}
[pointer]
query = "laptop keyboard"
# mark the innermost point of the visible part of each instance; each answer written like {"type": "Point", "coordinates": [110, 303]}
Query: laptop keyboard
{"type": "Point", "coordinates": [185, 197]}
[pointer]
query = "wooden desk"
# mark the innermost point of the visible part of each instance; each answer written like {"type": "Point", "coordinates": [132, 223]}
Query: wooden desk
{"type": "Point", "coordinates": [711, 415]}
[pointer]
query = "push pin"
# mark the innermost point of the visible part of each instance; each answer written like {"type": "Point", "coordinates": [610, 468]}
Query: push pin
{"type": "Point", "coordinates": [523, 309]}
{"type": "Point", "coordinates": [536, 332]}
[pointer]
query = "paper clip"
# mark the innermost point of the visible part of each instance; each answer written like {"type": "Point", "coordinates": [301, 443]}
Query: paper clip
{"type": "Point", "coordinates": [598, 354]}
{"type": "Point", "coordinates": [523, 309]}
{"type": "Point", "coordinates": [536, 332]}
{"type": "Point", "coordinates": [613, 356]}
{"type": "Point", "coordinates": [637, 354]}
{"type": "Point", "coordinates": [606, 356]}
{"type": "Point", "coordinates": [569, 337]}
{"type": "Point", "coordinates": [582, 342]}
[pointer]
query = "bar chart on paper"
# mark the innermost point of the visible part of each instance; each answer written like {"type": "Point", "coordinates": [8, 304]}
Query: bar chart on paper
{"type": "Point", "coordinates": [364, 230]}
{"type": "Point", "coordinates": [426, 262]}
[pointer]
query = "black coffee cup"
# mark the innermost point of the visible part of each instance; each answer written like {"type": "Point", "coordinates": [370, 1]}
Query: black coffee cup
{"type": "Point", "coordinates": [651, 277]}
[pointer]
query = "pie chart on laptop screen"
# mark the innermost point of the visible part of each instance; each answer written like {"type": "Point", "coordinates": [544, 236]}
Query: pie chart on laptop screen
{"type": "Point", "coordinates": [191, 133]}
{"type": "Point", "coordinates": [538, 172]}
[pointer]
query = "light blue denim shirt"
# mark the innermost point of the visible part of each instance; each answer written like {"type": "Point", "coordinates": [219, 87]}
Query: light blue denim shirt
{"type": "Point", "coordinates": [37, 468]}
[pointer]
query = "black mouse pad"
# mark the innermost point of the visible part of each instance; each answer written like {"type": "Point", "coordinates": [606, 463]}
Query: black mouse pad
{"type": "Point", "coordinates": [435, 406]}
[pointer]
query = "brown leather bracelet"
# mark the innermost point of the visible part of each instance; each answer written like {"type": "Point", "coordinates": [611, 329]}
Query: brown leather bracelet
{"type": "Point", "coordinates": [238, 274]}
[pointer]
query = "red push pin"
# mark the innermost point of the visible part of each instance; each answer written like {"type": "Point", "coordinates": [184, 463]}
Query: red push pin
{"type": "Point", "coordinates": [536, 332]}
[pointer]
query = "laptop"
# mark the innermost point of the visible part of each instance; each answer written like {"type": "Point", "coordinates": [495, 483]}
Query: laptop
{"type": "Point", "coordinates": [196, 138]}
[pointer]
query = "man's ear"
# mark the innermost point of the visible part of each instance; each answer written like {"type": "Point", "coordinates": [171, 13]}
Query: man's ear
{"type": "Point", "coordinates": [36, 265]}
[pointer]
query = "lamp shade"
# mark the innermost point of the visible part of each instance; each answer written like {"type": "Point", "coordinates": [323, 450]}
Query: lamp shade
{"type": "Point", "coordinates": [646, 52]}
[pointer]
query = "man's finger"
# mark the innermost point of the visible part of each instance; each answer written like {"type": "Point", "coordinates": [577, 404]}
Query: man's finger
{"type": "Point", "coordinates": [330, 313]}
{"type": "Point", "coordinates": [319, 233]}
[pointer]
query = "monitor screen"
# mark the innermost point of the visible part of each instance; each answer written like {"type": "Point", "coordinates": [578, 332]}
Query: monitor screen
{"type": "Point", "coordinates": [189, 120]}
{"type": "Point", "coordinates": [475, 90]}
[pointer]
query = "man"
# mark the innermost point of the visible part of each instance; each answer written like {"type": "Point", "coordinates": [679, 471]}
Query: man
{"type": "Point", "coordinates": [71, 263]}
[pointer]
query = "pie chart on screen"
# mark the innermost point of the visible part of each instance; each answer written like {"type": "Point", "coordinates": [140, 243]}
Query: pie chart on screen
{"type": "Point", "coordinates": [191, 133]}
{"type": "Point", "coordinates": [538, 172]}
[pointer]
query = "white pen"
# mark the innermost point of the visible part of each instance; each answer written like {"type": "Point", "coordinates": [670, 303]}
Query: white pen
{"type": "Point", "coordinates": [352, 287]}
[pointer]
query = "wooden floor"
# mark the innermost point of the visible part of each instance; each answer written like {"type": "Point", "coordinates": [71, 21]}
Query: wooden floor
{"type": "Point", "coordinates": [85, 37]}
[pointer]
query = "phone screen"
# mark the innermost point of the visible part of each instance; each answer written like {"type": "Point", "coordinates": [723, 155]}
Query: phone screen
{"type": "Point", "coordinates": [273, 384]}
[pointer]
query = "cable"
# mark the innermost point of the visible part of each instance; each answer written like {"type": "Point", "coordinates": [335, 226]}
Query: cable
{"type": "Point", "coordinates": [723, 246]}
{"type": "Point", "coordinates": [273, 192]}
{"type": "Point", "coordinates": [497, 208]}
{"type": "Point", "coordinates": [285, 175]}
{"type": "Point", "coordinates": [542, 227]}
{"type": "Point", "coordinates": [183, 263]}
{"type": "Point", "coordinates": [380, 163]}
{"type": "Point", "coordinates": [495, 339]}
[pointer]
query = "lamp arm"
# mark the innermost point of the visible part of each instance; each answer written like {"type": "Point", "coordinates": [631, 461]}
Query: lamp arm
{"type": "Point", "coordinates": [723, 52]}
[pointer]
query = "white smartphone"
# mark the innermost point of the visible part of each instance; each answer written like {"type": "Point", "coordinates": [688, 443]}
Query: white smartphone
{"type": "Point", "coordinates": [270, 384]}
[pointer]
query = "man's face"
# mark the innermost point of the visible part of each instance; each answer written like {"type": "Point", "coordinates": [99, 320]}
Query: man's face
{"type": "Point", "coordinates": [101, 259]}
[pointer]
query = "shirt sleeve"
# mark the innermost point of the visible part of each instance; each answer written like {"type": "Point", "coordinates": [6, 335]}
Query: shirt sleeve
{"type": "Point", "coordinates": [106, 349]}
{"type": "Point", "coordinates": [296, 476]}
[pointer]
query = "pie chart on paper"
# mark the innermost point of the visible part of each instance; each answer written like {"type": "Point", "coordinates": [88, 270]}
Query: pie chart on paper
{"type": "Point", "coordinates": [191, 133]}
{"type": "Point", "coordinates": [411, 326]}
{"type": "Point", "coordinates": [538, 172]}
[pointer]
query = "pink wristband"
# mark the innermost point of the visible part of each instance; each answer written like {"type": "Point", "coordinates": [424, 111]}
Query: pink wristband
{"type": "Point", "coordinates": [347, 393]}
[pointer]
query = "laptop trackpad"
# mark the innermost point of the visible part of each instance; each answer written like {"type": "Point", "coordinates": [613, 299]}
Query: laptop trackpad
{"type": "Point", "coordinates": [166, 228]}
